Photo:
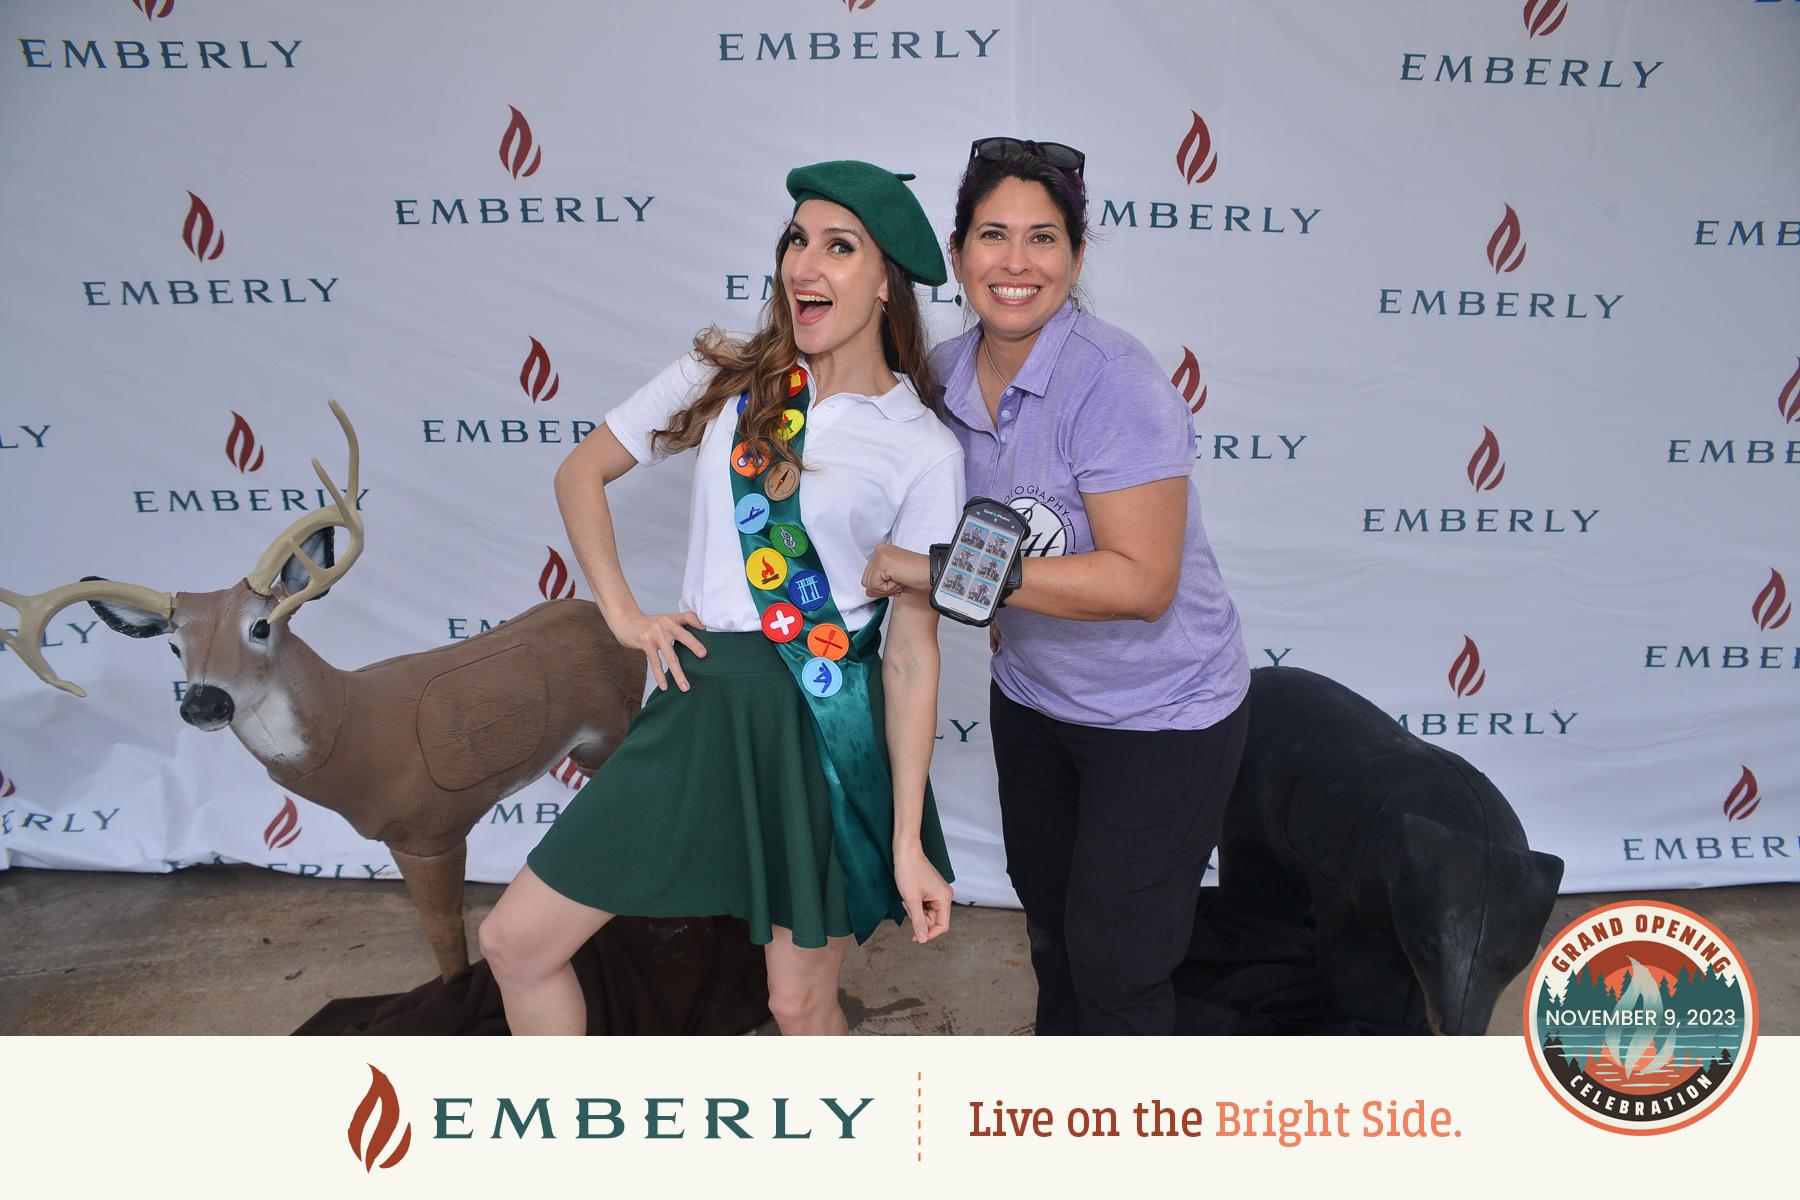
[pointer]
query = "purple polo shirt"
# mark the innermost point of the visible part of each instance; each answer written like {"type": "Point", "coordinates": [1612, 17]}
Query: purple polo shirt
{"type": "Point", "coordinates": [1091, 411]}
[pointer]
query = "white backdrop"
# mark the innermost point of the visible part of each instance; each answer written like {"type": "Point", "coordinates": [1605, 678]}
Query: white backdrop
{"type": "Point", "coordinates": [1489, 313]}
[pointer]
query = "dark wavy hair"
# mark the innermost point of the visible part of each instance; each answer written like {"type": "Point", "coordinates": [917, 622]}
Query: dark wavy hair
{"type": "Point", "coordinates": [760, 364]}
{"type": "Point", "coordinates": [1067, 191]}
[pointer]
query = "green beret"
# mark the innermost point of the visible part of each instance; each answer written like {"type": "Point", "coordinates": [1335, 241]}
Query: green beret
{"type": "Point", "coordinates": [884, 204]}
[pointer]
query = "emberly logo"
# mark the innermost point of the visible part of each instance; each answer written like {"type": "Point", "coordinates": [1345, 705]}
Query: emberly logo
{"type": "Point", "coordinates": [1466, 678]}
{"type": "Point", "coordinates": [1544, 17]}
{"type": "Point", "coordinates": [241, 448]}
{"type": "Point", "coordinates": [284, 830]}
{"type": "Point", "coordinates": [1253, 447]}
{"type": "Point", "coordinates": [1505, 254]}
{"type": "Point", "coordinates": [1743, 798]}
{"type": "Point", "coordinates": [554, 581]}
{"type": "Point", "coordinates": [129, 54]}
{"type": "Point", "coordinates": [1771, 607]}
{"type": "Point", "coordinates": [382, 1103]}
{"type": "Point", "coordinates": [1196, 162]}
{"type": "Point", "coordinates": [205, 240]}
{"type": "Point", "coordinates": [1541, 19]}
{"type": "Point", "coordinates": [521, 155]}
{"type": "Point", "coordinates": [1485, 470]}
{"type": "Point", "coordinates": [242, 453]}
{"type": "Point", "coordinates": [1749, 451]}
{"type": "Point", "coordinates": [6, 786]}
{"type": "Point", "coordinates": [1195, 157]}
{"type": "Point", "coordinates": [1769, 611]}
{"type": "Point", "coordinates": [861, 45]}
{"type": "Point", "coordinates": [537, 378]}
{"type": "Point", "coordinates": [1506, 249]}
{"type": "Point", "coordinates": [569, 775]}
{"type": "Point", "coordinates": [517, 152]}
{"type": "Point", "coordinates": [1466, 675]}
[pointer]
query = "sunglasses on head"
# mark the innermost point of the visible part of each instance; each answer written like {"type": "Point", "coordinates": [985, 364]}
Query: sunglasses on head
{"type": "Point", "coordinates": [1063, 158]}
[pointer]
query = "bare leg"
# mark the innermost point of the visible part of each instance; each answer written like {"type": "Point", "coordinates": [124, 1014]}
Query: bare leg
{"type": "Point", "coordinates": [803, 985]}
{"type": "Point", "coordinates": [528, 940]}
{"type": "Point", "coordinates": [436, 885]}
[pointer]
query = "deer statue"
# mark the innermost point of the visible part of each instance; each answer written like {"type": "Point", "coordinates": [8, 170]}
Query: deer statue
{"type": "Point", "coordinates": [410, 750]}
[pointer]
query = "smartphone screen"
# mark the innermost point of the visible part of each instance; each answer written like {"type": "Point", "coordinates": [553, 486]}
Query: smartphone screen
{"type": "Point", "coordinates": [972, 579]}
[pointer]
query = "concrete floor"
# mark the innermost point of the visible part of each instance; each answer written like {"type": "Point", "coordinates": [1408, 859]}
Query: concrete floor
{"type": "Point", "coordinates": [238, 950]}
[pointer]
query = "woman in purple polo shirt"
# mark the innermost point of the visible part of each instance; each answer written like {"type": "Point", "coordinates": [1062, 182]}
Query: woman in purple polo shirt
{"type": "Point", "coordinates": [1118, 702]}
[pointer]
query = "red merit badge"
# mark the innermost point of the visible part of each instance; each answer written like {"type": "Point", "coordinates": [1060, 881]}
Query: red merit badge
{"type": "Point", "coordinates": [795, 381]}
{"type": "Point", "coordinates": [827, 641]}
{"type": "Point", "coordinates": [781, 621]}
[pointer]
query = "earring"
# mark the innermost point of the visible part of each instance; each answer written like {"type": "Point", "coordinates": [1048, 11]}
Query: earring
{"type": "Point", "coordinates": [957, 300]}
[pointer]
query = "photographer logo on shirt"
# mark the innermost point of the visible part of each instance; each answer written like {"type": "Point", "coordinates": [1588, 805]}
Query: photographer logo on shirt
{"type": "Point", "coordinates": [1044, 517]}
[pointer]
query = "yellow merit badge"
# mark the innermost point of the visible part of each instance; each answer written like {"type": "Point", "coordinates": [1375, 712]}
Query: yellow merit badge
{"type": "Point", "coordinates": [792, 422]}
{"type": "Point", "coordinates": [765, 568]}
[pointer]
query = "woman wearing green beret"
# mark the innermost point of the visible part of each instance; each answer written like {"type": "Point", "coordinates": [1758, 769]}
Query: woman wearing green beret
{"type": "Point", "coordinates": [782, 778]}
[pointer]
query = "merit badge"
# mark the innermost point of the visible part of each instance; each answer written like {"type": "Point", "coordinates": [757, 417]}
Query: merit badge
{"type": "Point", "coordinates": [752, 513]}
{"type": "Point", "coordinates": [789, 539]}
{"type": "Point", "coordinates": [782, 622]}
{"type": "Point", "coordinates": [749, 458]}
{"type": "Point", "coordinates": [828, 641]}
{"type": "Point", "coordinates": [792, 422]}
{"type": "Point", "coordinates": [795, 381]}
{"type": "Point", "coordinates": [743, 400]}
{"type": "Point", "coordinates": [821, 677]}
{"type": "Point", "coordinates": [782, 481]}
{"type": "Point", "coordinates": [765, 568]}
{"type": "Point", "coordinates": [808, 589]}
{"type": "Point", "coordinates": [1640, 1017]}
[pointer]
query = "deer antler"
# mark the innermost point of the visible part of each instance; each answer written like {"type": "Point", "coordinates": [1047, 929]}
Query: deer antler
{"type": "Point", "coordinates": [267, 572]}
{"type": "Point", "coordinates": [35, 613]}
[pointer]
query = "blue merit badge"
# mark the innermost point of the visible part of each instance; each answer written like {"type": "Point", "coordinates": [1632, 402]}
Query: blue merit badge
{"type": "Point", "coordinates": [808, 590]}
{"type": "Point", "coordinates": [821, 677]}
{"type": "Point", "coordinates": [752, 513]}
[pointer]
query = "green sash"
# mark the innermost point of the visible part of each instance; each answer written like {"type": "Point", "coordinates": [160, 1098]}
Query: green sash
{"type": "Point", "coordinates": [788, 584]}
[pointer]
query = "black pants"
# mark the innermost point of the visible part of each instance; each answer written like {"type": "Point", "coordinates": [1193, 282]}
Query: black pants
{"type": "Point", "coordinates": [1108, 832]}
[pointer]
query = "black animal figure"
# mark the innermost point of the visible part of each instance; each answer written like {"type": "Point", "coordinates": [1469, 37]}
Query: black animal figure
{"type": "Point", "coordinates": [1369, 881]}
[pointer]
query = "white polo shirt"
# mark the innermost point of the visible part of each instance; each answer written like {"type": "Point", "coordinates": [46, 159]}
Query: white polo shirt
{"type": "Point", "coordinates": [878, 469]}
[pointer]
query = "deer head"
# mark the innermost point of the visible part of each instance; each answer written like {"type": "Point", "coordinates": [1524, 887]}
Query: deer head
{"type": "Point", "coordinates": [229, 640]}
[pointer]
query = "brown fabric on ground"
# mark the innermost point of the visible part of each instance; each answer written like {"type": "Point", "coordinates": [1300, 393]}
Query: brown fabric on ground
{"type": "Point", "coordinates": [641, 975]}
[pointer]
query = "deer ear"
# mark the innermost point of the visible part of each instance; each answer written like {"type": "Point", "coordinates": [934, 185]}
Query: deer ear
{"type": "Point", "coordinates": [320, 547]}
{"type": "Point", "coordinates": [125, 618]}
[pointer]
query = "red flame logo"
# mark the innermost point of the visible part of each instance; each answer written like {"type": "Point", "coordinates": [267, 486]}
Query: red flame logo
{"type": "Point", "coordinates": [1485, 468]}
{"type": "Point", "coordinates": [536, 377]}
{"type": "Point", "coordinates": [241, 447]}
{"type": "Point", "coordinates": [1789, 401]}
{"type": "Point", "coordinates": [203, 238]}
{"type": "Point", "coordinates": [285, 828]}
{"type": "Point", "coordinates": [1466, 675]}
{"type": "Point", "coordinates": [1187, 381]}
{"type": "Point", "coordinates": [1743, 798]}
{"type": "Point", "coordinates": [1506, 249]}
{"type": "Point", "coordinates": [1195, 158]}
{"type": "Point", "coordinates": [380, 1095]}
{"type": "Point", "coordinates": [553, 581]}
{"type": "Point", "coordinates": [1543, 16]}
{"type": "Point", "coordinates": [1771, 607]}
{"type": "Point", "coordinates": [6, 786]}
{"type": "Point", "coordinates": [152, 9]}
{"type": "Point", "coordinates": [516, 147]}
{"type": "Point", "coordinates": [569, 775]}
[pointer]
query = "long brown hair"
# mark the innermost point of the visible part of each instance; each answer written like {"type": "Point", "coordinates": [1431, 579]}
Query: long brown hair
{"type": "Point", "coordinates": [761, 363]}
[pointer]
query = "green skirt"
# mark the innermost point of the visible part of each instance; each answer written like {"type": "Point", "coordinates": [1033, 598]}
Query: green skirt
{"type": "Point", "coordinates": [715, 804]}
